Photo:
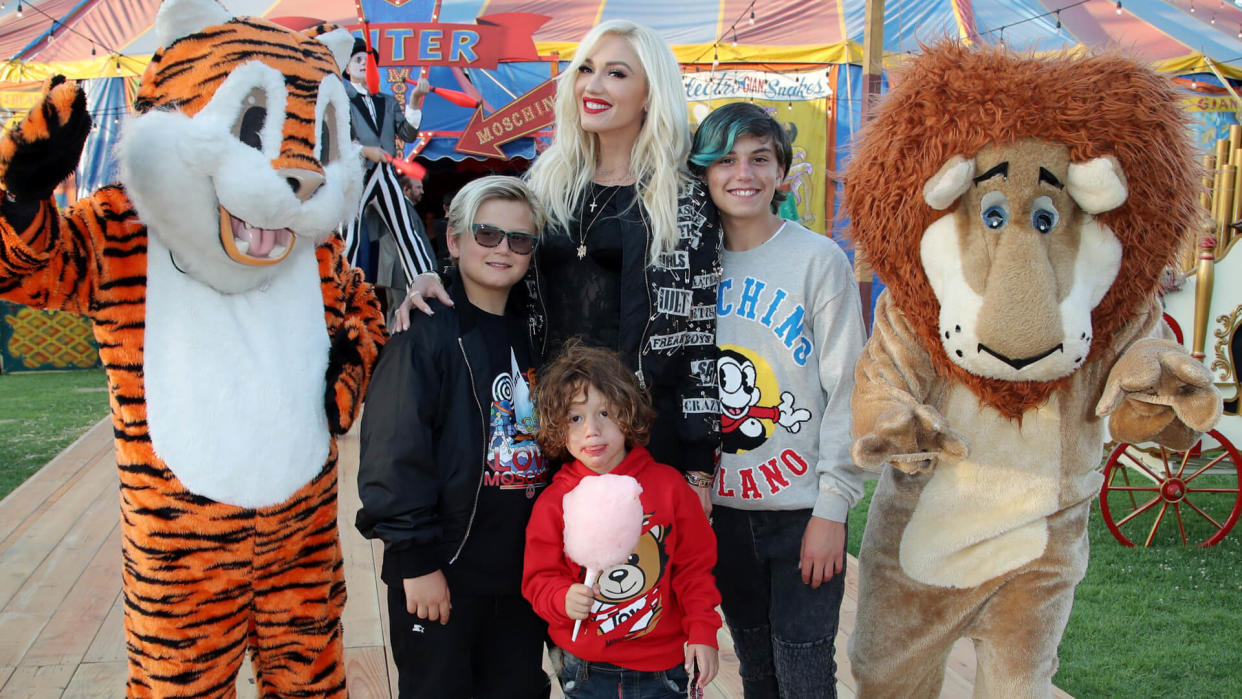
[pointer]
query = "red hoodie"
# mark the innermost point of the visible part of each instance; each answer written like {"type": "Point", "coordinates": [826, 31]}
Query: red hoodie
{"type": "Point", "coordinates": [662, 597]}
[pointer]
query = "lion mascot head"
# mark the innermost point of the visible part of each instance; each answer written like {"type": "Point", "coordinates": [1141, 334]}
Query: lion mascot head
{"type": "Point", "coordinates": [1019, 221]}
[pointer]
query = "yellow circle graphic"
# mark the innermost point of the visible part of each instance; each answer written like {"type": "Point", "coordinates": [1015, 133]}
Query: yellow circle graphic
{"type": "Point", "coordinates": [765, 381]}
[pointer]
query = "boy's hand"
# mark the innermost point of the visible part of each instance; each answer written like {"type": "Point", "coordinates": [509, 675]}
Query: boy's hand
{"type": "Point", "coordinates": [708, 660]}
{"type": "Point", "coordinates": [823, 551]}
{"type": "Point", "coordinates": [427, 597]}
{"type": "Point", "coordinates": [578, 600]}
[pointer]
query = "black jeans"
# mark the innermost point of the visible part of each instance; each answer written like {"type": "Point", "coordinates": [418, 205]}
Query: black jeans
{"type": "Point", "coordinates": [783, 631]}
{"type": "Point", "coordinates": [491, 647]}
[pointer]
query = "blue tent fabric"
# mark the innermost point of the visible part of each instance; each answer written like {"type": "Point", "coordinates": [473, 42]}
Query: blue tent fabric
{"type": "Point", "coordinates": [105, 98]}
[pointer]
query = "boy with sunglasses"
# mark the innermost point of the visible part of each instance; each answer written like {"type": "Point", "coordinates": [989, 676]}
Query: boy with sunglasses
{"type": "Point", "coordinates": [450, 468]}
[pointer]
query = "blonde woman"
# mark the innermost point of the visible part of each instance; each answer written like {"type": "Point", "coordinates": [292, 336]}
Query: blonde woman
{"type": "Point", "coordinates": [631, 257]}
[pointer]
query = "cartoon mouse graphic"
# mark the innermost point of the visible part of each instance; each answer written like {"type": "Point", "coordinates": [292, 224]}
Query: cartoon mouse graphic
{"type": "Point", "coordinates": [741, 416]}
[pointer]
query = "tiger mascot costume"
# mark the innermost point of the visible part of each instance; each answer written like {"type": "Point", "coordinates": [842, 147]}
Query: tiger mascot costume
{"type": "Point", "coordinates": [236, 340]}
{"type": "Point", "coordinates": [1020, 210]}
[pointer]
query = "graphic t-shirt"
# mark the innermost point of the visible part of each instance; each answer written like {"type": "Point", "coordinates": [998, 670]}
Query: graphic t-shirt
{"type": "Point", "coordinates": [514, 469]}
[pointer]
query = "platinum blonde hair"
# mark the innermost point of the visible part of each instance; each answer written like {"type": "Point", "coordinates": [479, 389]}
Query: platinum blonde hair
{"type": "Point", "coordinates": [469, 198]}
{"type": "Point", "coordinates": [562, 174]}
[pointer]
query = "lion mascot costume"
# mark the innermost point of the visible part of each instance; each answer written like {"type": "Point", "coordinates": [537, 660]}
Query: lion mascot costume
{"type": "Point", "coordinates": [1020, 211]}
{"type": "Point", "coordinates": [235, 339]}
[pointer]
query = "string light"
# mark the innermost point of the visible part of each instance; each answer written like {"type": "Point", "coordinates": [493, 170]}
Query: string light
{"type": "Point", "coordinates": [1118, 6]}
{"type": "Point", "coordinates": [731, 30]}
{"type": "Point", "coordinates": [57, 24]}
{"type": "Point", "coordinates": [1056, 13]}
{"type": "Point", "coordinates": [1192, 7]}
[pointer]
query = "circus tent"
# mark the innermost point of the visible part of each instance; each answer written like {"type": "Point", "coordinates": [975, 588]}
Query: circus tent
{"type": "Point", "coordinates": [105, 40]}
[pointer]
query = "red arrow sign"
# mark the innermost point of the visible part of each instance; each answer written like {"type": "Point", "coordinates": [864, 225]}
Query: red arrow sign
{"type": "Point", "coordinates": [523, 116]}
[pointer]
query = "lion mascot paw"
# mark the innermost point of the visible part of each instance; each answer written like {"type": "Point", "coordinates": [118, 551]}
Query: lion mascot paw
{"type": "Point", "coordinates": [236, 340]}
{"type": "Point", "coordinates": [1020, 211]}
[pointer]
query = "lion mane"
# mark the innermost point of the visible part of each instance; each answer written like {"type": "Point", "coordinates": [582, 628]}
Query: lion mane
{"type": "Point", "coordinates": [954, 100]}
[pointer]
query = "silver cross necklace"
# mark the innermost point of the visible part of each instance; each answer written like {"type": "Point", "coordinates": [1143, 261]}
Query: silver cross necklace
{"type": "Point", "coordinates": [582, 232]}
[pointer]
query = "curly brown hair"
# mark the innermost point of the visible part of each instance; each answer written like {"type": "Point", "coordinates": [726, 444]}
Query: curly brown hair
{"type": "Point", "coordinates": [954, 100]}
{"type": "Point", "coordinates": [565, 381]}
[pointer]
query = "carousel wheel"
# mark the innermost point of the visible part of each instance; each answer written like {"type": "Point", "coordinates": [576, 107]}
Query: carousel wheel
{"type": "Point", "coordinates": [1193, 496]}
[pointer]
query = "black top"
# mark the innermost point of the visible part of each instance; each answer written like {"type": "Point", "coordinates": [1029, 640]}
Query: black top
{"type": "Point", "coordinates": [584, 295]}
{"type": "Point", "coordinates": [514, 470]}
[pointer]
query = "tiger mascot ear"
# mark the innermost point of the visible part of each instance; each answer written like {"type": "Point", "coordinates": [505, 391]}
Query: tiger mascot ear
{"type": "Point", "coordinates": [338, 40]}
{"type": "Point", "coordinates": [181, 18]}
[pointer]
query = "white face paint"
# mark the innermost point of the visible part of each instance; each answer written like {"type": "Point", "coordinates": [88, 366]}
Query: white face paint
{"type": "Point", "coordinates": [1095, 268]}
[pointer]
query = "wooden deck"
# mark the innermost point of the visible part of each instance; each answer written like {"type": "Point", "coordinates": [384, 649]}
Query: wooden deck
{"type": "Point", "coordinates": [60, 579]}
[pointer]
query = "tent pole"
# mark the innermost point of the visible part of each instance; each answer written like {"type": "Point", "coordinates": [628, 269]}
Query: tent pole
{"type": "Point", "coordinates": [873, 55]}
{"type": "Point", "coordinates": [873, 64]}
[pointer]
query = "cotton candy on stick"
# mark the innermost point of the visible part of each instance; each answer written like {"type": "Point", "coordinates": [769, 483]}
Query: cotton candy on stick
{"type": "Point", "coordinates": [603, 521]}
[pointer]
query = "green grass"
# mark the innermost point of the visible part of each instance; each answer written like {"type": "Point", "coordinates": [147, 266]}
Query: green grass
{"type": "Point", "coordinates": [1147, 622]}
{"type": "Point", "coordinates": [40, 414]}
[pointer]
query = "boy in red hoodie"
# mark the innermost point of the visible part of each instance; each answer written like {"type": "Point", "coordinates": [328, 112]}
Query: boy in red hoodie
{"type": "Point", "coordinates": [650, 622]}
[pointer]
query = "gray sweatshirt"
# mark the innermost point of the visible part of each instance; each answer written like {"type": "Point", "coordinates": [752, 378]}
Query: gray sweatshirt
{"type": "Point", "coordinates": [790, 330]}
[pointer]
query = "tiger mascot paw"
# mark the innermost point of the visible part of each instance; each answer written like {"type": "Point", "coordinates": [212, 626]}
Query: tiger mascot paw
{"type": "Point", "coordinates": [45, 147]}
{"type": "Point", "coordinates": [346, 376]}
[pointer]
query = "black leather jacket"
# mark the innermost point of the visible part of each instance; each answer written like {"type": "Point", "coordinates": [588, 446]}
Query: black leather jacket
{"type": "Point", "coordinates": [668, 331]}
{"type": "Point", "coordinates": [421, 463]}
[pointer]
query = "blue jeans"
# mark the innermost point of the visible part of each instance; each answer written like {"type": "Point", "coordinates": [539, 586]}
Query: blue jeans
{"type": "Point", "coordinates": [582, 679]}
{"type": "Point", "coordinates": [783, 631]}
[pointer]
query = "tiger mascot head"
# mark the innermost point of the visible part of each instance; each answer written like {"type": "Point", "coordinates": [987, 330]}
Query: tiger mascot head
{"type": "Point", "coordinates": [244, 124]}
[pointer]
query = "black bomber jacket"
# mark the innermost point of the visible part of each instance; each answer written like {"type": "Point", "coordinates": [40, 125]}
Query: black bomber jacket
{"type": "Point", "coordinates": [421, 462]}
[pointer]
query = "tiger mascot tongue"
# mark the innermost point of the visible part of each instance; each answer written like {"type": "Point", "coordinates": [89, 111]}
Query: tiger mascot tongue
{"type": "Point", "coordinates": [235, 338]}
{"type": "Point", "coordinates": [1020, 211]}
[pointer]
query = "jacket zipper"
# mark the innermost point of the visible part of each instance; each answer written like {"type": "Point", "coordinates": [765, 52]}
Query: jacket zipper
{"type": "Point", "coordinates": [543, 312]}
{"type": "Point", "coordinates": [478, 488]}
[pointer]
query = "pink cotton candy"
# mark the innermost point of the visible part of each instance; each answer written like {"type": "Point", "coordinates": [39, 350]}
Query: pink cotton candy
{"type": "Point", "coordinates": [603, 520]}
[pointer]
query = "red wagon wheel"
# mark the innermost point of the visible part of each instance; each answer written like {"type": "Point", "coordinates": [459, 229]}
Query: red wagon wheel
{"type": "Point", "coordinates": [1150, 490]}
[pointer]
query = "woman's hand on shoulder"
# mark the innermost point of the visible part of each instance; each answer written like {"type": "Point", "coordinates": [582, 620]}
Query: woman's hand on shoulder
{"type": "Point", "coordinates": [426, 285]}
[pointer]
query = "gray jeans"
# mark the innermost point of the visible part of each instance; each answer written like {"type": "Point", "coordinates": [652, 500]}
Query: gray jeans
{"type": "Point", "coordinates": [783, 631]}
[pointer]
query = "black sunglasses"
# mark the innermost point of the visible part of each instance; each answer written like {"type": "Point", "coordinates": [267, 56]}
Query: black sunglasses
{"type": "Point", "coordinates": [489, 236]}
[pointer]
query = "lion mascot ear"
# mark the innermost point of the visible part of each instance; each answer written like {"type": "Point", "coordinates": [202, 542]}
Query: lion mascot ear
{"type": "Point", "coordinates": [949, 183]}
{"type": "Point", "coordinates": [1097, 185]}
